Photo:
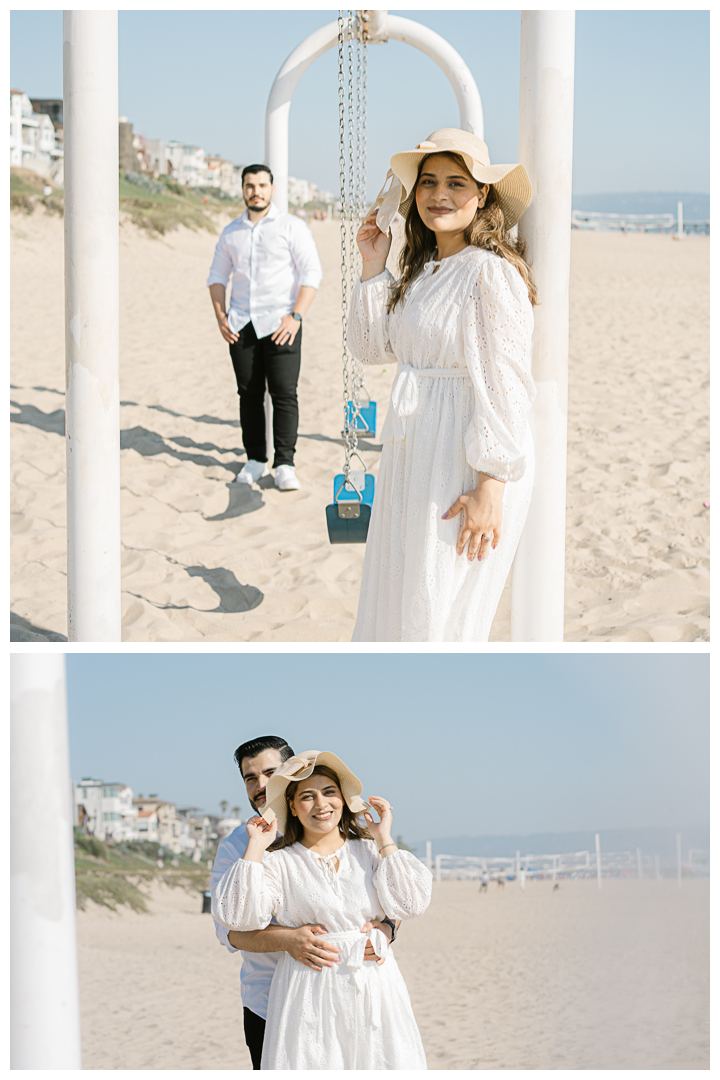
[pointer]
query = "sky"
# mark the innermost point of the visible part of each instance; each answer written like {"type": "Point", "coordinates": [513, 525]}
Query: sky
{"type": "Point", "coordinates": [641, 88]}
{"type": "Point", "coordinates": [461, 745]}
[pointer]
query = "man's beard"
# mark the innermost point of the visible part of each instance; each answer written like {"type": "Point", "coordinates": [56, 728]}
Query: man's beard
{"type": "Point", "coordinates": [262, 206]}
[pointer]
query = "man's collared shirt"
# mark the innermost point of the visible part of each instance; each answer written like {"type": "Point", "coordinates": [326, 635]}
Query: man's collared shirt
{"type": "Point", "coordinates": [257, 968]}
{"type": "Point", "coordinates": [268, 263]}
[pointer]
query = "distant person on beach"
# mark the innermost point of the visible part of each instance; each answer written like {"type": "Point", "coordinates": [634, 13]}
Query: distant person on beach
{"type": "Point", "coordinates": [261, 949]}
{"type": "Point", "coordinates": [484, 881]}
{"type": "Point", "coordinates": [317, 855]}
{"type": "Point", "coordinates": [456, 471]}
{"type": "Point", "coordinates": [275, 270]}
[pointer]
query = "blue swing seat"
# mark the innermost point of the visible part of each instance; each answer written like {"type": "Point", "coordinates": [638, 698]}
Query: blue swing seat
{"type": "Point", "coordinates": [365, 418]}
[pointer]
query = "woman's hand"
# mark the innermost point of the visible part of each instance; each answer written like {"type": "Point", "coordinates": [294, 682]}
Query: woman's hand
{"type": "Point", "coordinates": [260, 836]}
{"type": "Point", "coordinates": [482, 510]}
{"type": "Point", "coordinates": [380, 830]}
{"type": "Point", "coordinates": [375, 924]}
{"type": "Point", "coordinates": [374, 246]}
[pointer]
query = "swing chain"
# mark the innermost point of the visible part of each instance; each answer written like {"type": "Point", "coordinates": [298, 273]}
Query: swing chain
{"type": "Point", "coordinates": [358, 383]}
{"type": "Point", "coordinates": [349, 103]}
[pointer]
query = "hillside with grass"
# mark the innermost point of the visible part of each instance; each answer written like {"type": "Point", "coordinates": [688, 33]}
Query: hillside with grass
{"type": "Point", "coordinates": [156, 206]}
{"type": "Point", "coordinates": [117, 875]}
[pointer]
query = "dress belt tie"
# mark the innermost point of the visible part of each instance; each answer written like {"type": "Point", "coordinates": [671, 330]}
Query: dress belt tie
{"type": "Point", "coordinates": [405, 394]}
{"type": "Point", "coordinates": [355, 962]}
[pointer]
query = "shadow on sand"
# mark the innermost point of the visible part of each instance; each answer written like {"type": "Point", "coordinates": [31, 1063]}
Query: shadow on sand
{"type": "Point", "coordinates": [22, 630]}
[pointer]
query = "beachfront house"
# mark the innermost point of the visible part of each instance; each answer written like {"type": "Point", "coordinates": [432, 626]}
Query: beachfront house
{"type": "Point", "coordinates": [156, 157]}
{"type": "Point", "coordinates": [105, 810]}
{"type": "Point", "coordinates": [34, 142]}
{"type": "Point", "coordinates": [158, 820]}
{"type": "Point", "coordinates": [187, 163]}
{"type": "Point", "coordinates": [220, 174]}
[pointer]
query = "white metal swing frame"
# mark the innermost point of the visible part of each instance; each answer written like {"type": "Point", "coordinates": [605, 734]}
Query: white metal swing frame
{"type": "Point", "coordinates": [547, 57]}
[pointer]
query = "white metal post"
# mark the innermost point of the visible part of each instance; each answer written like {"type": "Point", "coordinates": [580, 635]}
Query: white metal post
{"type": "Point", "coordinates": [547, 57]}
{"type": "Point", "coordinates": [680, 220]}
{"type": "Point", "coordinates": [517, 864]}
{"type": "Point", "coordinates": [678, 846]}
{"type": "Point", "coordinates": [428, 854]}
{"type": "Point", "coordinates": [44, 999]}
{"type": "Point", "coordinates": [639, 862]}
{"type": "Point", "coordinates": [597, 860]}
{"type": "Point", "coordinates": [90, 112]}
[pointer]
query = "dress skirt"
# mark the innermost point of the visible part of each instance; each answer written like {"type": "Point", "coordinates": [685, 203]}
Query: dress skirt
{"type": "Point", "coordinates": [365, 1007]}
{"type": "Point", "coordinates": [414, 585]}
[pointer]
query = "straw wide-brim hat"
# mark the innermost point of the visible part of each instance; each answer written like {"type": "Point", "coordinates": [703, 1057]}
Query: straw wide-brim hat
{"type": "Point", "coordinates": [511, 183]}
{"type": "Point", "coordinates": [300, 767]}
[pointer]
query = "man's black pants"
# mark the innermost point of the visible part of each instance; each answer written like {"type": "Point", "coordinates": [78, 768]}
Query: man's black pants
{"type": "Point", "coordinates": [254, 1033]}
{"type": "Point", "coordinates": [257, 360]}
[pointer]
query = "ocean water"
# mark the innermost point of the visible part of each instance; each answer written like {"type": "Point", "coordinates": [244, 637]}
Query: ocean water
{"type": "Point", "coordinates": [696, 207]}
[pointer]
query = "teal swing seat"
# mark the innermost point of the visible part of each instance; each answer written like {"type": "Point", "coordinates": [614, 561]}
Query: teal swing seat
{"type": "Point", "coordinates": [348, 516]}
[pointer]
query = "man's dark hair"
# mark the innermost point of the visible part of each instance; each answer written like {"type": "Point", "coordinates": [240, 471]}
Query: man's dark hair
{"type": "Point", "coordinates": [266, 742]}
{"type": "Point", "coordinates": [256, 169]}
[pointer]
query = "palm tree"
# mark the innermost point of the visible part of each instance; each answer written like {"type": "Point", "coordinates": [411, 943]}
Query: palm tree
{"type": "Point", "coordinates": [236, 812]}
{"type": "Point", "coordinates": [223, 806]}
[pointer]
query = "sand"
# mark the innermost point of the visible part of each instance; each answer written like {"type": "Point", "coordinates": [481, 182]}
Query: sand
{"type": "Point", "coordinates": [207, 560]}
{"type": "Point", "coordinates": [573, 979]}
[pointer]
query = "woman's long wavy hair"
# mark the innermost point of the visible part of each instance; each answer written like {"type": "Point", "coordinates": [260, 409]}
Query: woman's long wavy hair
{"type": "Point", "coordinates": [349, 827]}
{"type": "Point", "coordinates": [487, 230]}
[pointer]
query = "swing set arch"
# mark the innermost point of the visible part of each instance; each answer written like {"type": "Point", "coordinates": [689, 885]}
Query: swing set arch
{"type": "Point", "coordinates": [381, 27]}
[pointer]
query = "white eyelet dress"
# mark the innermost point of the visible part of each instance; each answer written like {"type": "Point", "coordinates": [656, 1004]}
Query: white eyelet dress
{"type": "Point", "coordinates": [355, 1014]}
{"type": "Point", "coordinates": [459, 406]}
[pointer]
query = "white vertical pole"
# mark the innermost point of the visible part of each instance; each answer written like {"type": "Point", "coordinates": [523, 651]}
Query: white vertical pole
{"type": "Point", "coordinates": [44, 999]}
{"type": "Point", "coordinates": [657, 867]}
{"type": "Point", "coordinates": [438, 869]}
{"type": "Point", "coordinates": [680, 220]}
{"type": "Point", "coordinates": [597, 860]}
{"type": "Point", "coordinates": [554, 867]}
{"type": "Point", "coordinates": [428, 854]}
{"type": "Point", "coordinates": [547, 57]}
{"type": "Point", "coordinates": [517, 864]}
{"type": "Point", "coordinates": [90, 112]}
{"type": "Point", "coordinates": [639, 862]}
{"type": "Point", "coordinates": [678, 845]}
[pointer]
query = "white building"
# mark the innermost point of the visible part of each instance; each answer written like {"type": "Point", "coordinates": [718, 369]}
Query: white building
{"type": "Point", "coordinates": [109, 810]}
{"type": "Point", "coordinates": [299, 191]}
{"type": "Point", "coordinates": [227, 825]}
{"type": "Point", "coordinates": [33, 141]}
{"type": "Point", "coordinates": [156, 154]}
{"type": "Point", "coordinates": [221, 174]}
{"type": "Point", "coordinates": [187, 163]}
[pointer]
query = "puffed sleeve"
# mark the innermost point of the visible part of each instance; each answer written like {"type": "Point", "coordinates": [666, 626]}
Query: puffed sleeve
{"type": "Point", "coordinates": [368, 334]}
{"type": "Point", "coordinates": [403, 885]}
{"type": "Point", "coordinates": [247, 895]}
{"type": "Point", "coordinates": [497, 335]}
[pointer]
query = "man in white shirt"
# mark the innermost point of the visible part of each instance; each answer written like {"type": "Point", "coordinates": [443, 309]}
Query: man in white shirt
{"type": "Point", "coordinates": [275, 270]}
{"type": "Point", "coordinates": [257, 761]}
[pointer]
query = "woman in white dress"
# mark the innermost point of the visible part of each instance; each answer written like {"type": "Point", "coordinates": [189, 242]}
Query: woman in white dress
{"type": "Point", "coordinates": [456, 471]}
{"type": "Point", "coordinates": [331, 869]}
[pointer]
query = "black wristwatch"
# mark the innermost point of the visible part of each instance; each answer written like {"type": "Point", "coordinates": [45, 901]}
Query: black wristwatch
{"type": "Point", "coordinates": [393, 927]}
{"type": "Point", "coordinates": [296, 315]}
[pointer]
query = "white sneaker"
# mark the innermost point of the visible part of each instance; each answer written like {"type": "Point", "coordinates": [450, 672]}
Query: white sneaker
{"type": "Point", "coordinates": [251, 472]}
{"type": "Point", "coordinates": [285, 478]}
